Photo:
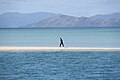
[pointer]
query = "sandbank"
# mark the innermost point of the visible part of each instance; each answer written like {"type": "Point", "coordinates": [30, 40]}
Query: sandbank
{"type": "Point", "coordinates": [54, 48]}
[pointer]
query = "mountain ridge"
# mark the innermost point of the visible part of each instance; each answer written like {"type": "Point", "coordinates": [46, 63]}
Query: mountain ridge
{"type": "Point", "coordinates": [71, 21]}
{"type": "Point", "coordinates": [59, 20]}
{"type": "Point", "coordinates": [15, 19]}
{"type": "Point", "coordinates": [103, 16]}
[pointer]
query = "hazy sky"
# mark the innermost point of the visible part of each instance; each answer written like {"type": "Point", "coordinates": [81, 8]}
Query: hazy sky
{"type": "Point", "coordinates": [69, 7]}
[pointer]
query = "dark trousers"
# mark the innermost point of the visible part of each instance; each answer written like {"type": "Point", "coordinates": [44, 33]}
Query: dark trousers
{"type": "Point", "coordinates": [61, 44]}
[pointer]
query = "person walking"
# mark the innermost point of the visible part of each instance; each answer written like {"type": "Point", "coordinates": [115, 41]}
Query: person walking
{"type": "Point", "coordinates": [61, 42]}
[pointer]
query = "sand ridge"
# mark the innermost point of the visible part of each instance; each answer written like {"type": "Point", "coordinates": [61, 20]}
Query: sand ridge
{"type": "Point", "coordinates": [53, 48]}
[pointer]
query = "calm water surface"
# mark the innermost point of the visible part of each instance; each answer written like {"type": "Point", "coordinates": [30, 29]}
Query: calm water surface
{"type": "Point", "coordinates": [75, 37]}
{"type": "Point", "coordinates": [59, 65]}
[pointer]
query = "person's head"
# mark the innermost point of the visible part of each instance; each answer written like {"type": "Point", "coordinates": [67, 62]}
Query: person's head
{"type": "Point", "coordinates": [60, 38]}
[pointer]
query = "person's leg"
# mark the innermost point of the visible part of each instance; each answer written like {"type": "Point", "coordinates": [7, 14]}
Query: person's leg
{"type": "Point", "coordinates": [60, 45]}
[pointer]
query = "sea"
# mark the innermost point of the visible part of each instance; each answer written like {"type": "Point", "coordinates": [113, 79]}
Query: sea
{"type": "Point", "coordinates": [60, 64]}
{"type": "Point", "coordinates": [73, 37]}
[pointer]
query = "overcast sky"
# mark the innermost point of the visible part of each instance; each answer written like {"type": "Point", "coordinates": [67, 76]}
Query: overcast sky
{"type": "Point", "coordinates": [68, 7]}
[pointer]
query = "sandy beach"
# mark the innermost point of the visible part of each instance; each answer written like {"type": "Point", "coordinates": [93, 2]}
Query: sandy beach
{"type": "Point", "coordinates": [53, 48]}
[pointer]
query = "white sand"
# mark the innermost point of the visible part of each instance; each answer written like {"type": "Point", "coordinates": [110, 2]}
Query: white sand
{"type": "Point", "coordinates": [54, 48]}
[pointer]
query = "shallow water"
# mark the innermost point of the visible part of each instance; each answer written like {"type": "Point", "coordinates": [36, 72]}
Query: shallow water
{"type": "Point", "coordinates": [59, 65]}
{"type": "Point", "coordinates": [73, 37]}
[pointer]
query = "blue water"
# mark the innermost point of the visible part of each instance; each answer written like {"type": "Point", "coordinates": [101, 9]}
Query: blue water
{"type": "Point", "coordinates": [59, 65]}
{"type": "Point", "coordinates": [73, 37]}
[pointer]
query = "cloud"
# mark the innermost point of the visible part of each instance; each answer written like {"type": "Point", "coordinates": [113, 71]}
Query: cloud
{"type": "Point", "coordinates": [70, 7]}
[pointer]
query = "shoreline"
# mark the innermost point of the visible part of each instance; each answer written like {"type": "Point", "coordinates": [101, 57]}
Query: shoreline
{"type": "Point", "coordinates": [53, 48]}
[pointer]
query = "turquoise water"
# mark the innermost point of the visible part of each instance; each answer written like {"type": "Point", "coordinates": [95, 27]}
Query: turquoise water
{"type": "Point", "coordinates": [73, 37]}
{"type": "Point", "coordinates": [59, 65]}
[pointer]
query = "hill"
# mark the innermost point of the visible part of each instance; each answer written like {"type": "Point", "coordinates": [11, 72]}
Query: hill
{"type": "Point", "coordinates": [44, 20]}
{"type": "Point", "coordinates": [15, 19]}
{"type": "Point", "coordinates": [113, 15]}
{"type": "Point", "coordinates": [71, 21]}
